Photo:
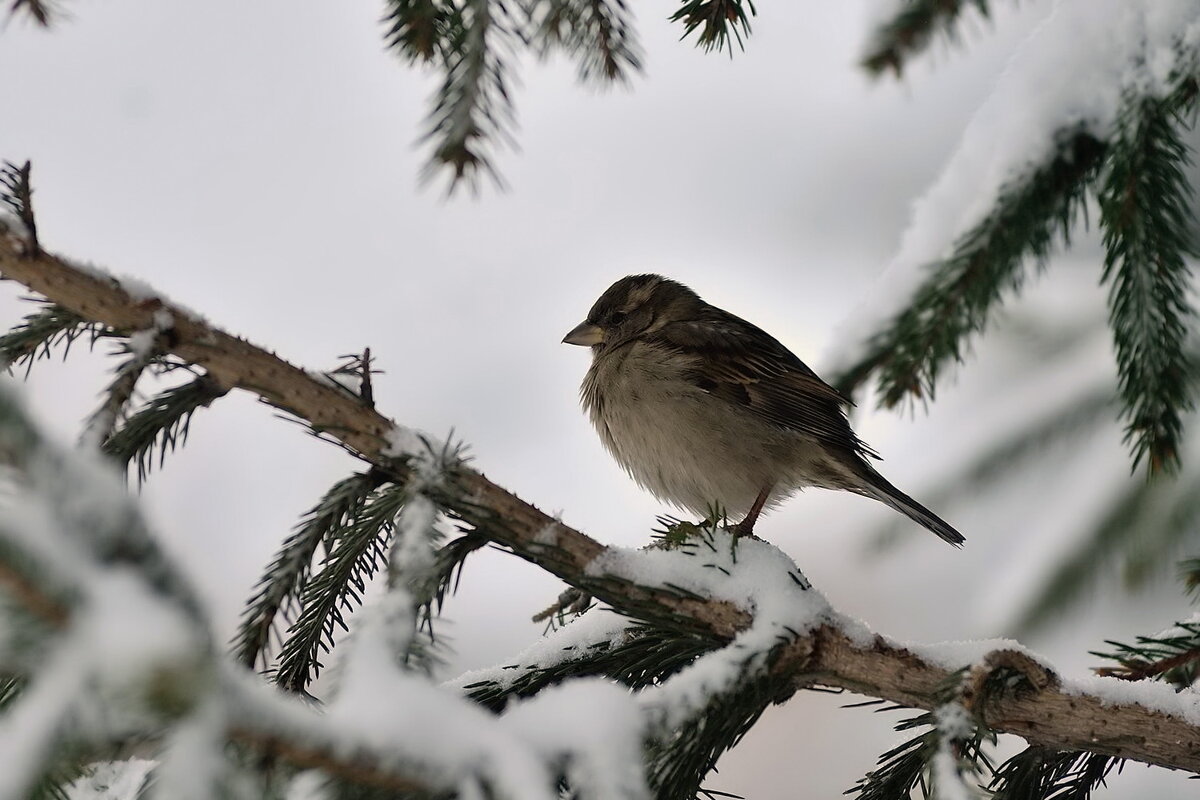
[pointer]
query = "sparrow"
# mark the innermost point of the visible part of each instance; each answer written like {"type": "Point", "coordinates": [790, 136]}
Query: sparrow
{"type": "Point", "coordinates": [706, 410]}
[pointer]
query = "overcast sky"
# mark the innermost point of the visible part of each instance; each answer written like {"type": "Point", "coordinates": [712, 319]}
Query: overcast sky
{"type": "Point", "coordinates": [258, 162]}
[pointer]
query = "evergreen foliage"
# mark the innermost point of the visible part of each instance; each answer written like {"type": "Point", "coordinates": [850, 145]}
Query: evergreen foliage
{"type": "Point", "coordinates": [962, 292]}
{"type": "Point", "coordinates": [43, 12]}
{"type": "Point", "coordinates": [1146, 211]}
{"type": "Point", "coordinates": [1172, 656]}
{"type": "Point", "coordinates": [912, 29]}
{"type": "Point", "coordinates": [394, 520]}
{"type": "Point", "coordinates": [42, 331]}
{"type": "Point", "coordinates": [475, 44]}
{"type": "Point", "coordinates": [1140, 528]}
{"type": "Point", "coordinates": [948, 732]}
{"type": "Point", "coordinates": [357, 545]}
{"type": "Point", "coordinates": [644, 656]}
{"type": "Point", "coordinates": [720, 23]}
{"type": "Point", "coordinates": [160, 425]}
{"type": "Point", "coordinates": [277, 595]}
{"type": "Point", "coordinates": [1138, 178]}
{"type": "Point", "coordinates": [1037, 773]}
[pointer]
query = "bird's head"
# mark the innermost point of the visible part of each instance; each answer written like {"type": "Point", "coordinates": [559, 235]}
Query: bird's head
{"type": "Point", "coordinates": [631, 307]}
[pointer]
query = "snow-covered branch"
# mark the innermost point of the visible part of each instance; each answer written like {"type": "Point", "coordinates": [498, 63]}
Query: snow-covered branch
{"type": "Point", "coordinates": [805, 644]}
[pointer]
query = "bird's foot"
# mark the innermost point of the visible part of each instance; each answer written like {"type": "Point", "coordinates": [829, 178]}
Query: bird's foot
{"type": "Point", "coordinates": [743, 530]}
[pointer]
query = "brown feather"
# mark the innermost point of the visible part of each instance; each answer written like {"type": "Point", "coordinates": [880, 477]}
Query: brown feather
{"type": "Point", "coordinates": [741, 364]}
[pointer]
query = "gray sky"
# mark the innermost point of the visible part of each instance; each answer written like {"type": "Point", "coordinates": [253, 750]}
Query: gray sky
{"type": "Point", "coordinates": [256, 162]}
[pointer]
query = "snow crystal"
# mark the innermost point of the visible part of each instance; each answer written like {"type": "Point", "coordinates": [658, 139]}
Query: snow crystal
{"type": "Point", "coordinates": [1073, 72]}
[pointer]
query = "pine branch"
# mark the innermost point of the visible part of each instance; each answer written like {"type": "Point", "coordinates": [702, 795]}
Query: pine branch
{"type": "Point", "coordinates": [949, 730]}
{"type": "Point", "coordinates": [599, 34]}
{"type": "Point", "coordinates": [104, 420]}
{"type": "Point", "coordinates": [279, 590]}
{"type": "Point", "coordinates": [352, 558]}
{"type": "Point", "coordinates": [1172, 656]}
{"type": "Point", "coordinates": [822, 656]}
{"type": "Point", "coordinates": [644, 656]}
{"type": "Point", "coordinates": [365, 770]}
{"type": "Point", "coordinates": [451, 559]}
{"type": "Point", "coordinates": [1189, 572]}
{"type": "Point", "coordinates": [162, 424]}
{"type": "Point", "coordinates": [166, 682]}
{"type": "Point", "coordinates": [1145, 210]}
{"type": "Point", "coordinates": [15, 189]}
{"type": "Point", "coordinates": [116, 538]}
{"type": "Point", "coordinates": [907, 34]}
{"type": "Point", "coordinates": [417, 28]}
{"type": "Point", "coordinates": [1041, 773]}
{"type": "Point", "coordinates": [681, 758]}
{"type": "Point", "coordinates": [23, 580]}
{"type": "Point", "coordinates": [40, 332]}
{"type": "Point", "coordinates": [43, 12]}
{"type": "Point", "coordinates": [956, 300]}
{"type": "Point", "coordinates": [474, 43]}
{"type": "Point", "coordinates": [901, 770]}
{"type": "Point", "coordinates": [720, 22]}
{"type": "Point", "coordinates": [473, 109]}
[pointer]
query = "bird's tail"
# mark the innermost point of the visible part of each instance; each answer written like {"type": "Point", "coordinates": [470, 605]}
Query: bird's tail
{"type": "Point", "coordinates": [879, 488]}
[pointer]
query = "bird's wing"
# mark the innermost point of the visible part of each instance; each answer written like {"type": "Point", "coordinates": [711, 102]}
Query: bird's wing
{"type": "Point", "coordinates": [742, 364]}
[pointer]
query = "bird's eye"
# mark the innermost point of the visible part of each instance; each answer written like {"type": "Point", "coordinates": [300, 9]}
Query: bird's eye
{"type": "Point", "coordinates": [617, 317]}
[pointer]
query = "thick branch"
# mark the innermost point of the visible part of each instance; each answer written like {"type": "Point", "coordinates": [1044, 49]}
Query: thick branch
{"type": "Point", "coordinates": [1047, 715]}
{"type": "Point", "coordinates": [361, 769]}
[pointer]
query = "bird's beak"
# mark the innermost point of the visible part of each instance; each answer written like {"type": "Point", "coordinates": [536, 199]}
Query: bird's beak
{"type": "Point", "coordinates": [585, 334]}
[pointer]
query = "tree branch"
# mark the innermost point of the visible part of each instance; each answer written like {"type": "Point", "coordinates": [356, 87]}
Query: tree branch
{"type": "Point", "coordinates": [360, 768]}
{"type": "Point", "coordinates": [1042, 711]}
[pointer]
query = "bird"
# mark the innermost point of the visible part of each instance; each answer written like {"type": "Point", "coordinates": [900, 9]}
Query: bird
{"type": "Point", "coordinates": [706, 410]}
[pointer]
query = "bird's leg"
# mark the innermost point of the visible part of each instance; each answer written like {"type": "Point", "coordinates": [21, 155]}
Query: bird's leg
{"type": "Point", "coordinates": [746, 526]}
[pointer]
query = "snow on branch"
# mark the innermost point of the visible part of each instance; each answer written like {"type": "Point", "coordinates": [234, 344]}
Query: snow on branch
{"type": "Point", "coordinates": [121, 656]}
{"type": "Point", "coordinates": [798, 644]}
{"type": "Point", "coordinates": [1094, 101]}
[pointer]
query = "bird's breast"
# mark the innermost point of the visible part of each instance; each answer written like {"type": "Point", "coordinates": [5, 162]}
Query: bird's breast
{"type": "Point", "coordinates": [675, 439]}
